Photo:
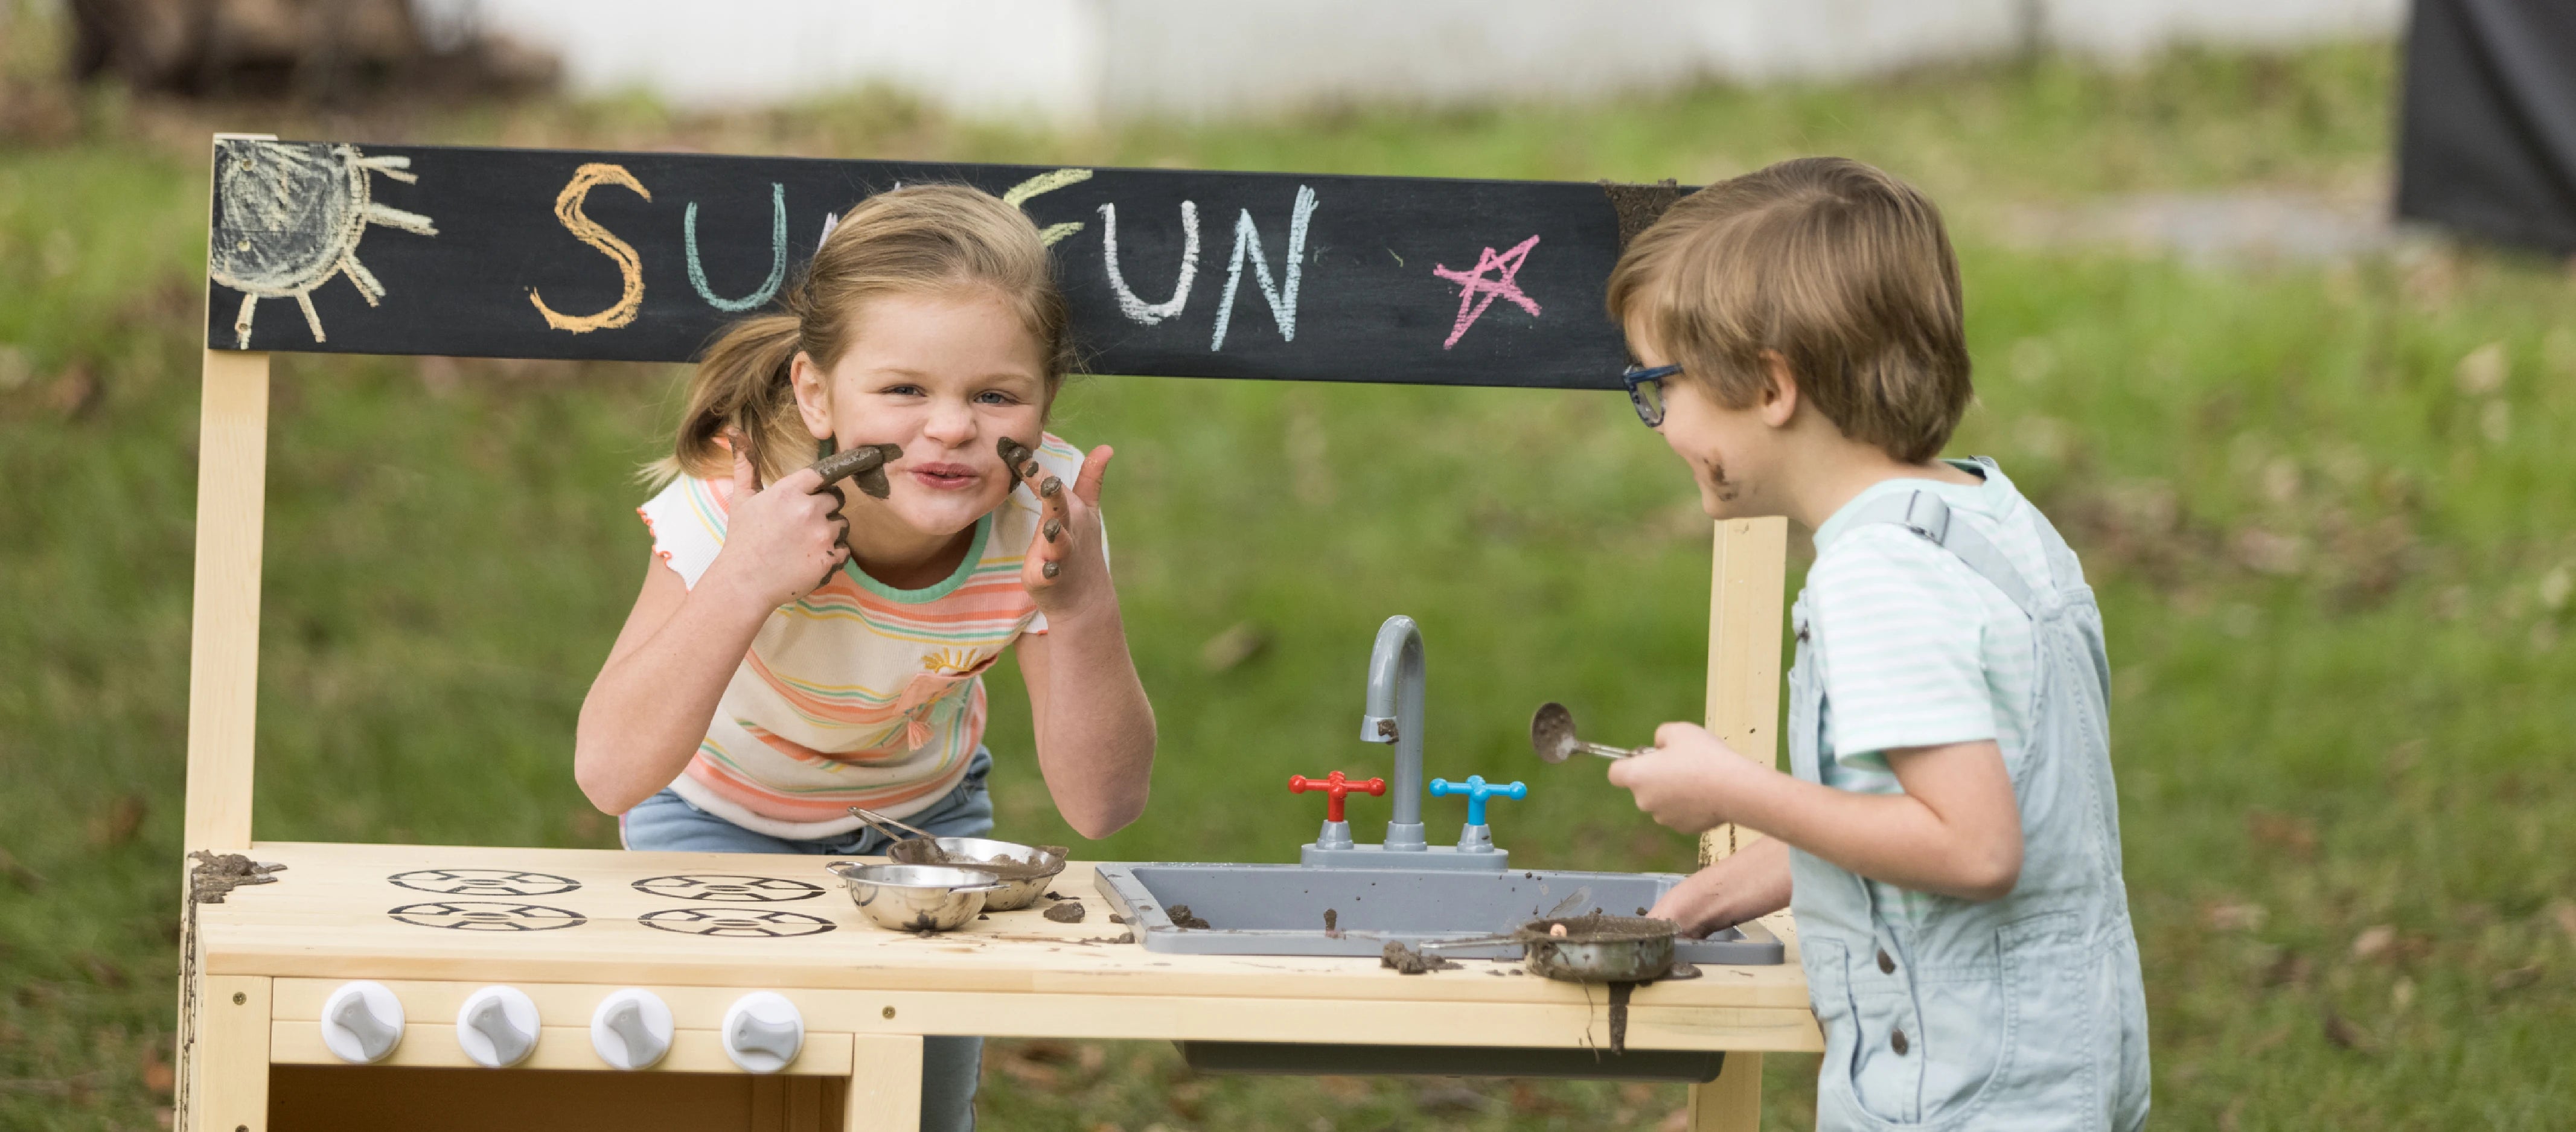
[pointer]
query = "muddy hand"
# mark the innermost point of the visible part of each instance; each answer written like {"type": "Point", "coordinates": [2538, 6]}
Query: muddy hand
{"type": "Point", "coordinates": [1068, 522]}
{"type": "Point", "coordinates": [779, 542]}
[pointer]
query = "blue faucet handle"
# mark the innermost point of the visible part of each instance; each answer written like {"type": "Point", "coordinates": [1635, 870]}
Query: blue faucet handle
{"type": "Point", "coordinates": [1477, 790]}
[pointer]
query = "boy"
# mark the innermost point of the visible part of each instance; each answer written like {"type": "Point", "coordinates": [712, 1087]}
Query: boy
{"type": "Point", "coordinates": [1949, 841]}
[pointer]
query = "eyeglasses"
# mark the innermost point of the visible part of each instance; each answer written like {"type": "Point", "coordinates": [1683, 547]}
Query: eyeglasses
{"type": "Point", "coordinates": [1646, 391]}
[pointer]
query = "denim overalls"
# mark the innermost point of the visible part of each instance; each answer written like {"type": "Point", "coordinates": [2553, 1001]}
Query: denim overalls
{"type": "Point", "coordinates": [2026, 1012]}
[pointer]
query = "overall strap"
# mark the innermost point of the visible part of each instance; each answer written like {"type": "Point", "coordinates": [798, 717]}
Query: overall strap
{"type": "Point", "coordinates": [1925, 514]}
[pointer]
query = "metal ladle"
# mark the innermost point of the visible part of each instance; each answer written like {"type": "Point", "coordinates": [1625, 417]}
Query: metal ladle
{"type": "Point", "coordinates": [1552, 736]}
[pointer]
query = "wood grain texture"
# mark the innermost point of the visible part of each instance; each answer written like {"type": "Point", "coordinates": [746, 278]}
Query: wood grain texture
{"type": "Point", "coordinates": [1733, 1102]}
{"type": "Point", "coordinates": [231, 1057]}
{"type": "Point", "coordinates": [885, 1085]}
{"type": "Point", "coordinates": [1746, 582]}
{"type": "Point", "coordinates": [332, 916]}
{"type": "Point", "coordinates": [561, 254]}
{"type": "Point", "coordinates": [223, 650]}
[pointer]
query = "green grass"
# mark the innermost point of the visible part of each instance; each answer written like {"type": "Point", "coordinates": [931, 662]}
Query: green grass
{"type": "Point", "coordinates": [2335, 576]}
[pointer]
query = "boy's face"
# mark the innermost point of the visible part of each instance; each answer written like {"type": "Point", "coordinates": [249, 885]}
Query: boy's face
{"type": "Point", "coordinates": [1729, 451]}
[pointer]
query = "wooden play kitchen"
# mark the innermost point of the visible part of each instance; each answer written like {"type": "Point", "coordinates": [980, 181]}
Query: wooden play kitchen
{"type": "Point", "coordinates": [436, 987]}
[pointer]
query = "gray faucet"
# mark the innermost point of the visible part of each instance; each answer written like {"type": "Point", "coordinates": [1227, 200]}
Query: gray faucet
{"type": "Point", "coordinates": [1395, 716]}
{"type": "Point", "coordinates": [1395, 695]}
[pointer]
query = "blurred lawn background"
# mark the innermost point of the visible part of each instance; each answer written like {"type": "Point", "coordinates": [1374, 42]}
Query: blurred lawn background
{"type": "Point", "coordinates": [2327, 502]}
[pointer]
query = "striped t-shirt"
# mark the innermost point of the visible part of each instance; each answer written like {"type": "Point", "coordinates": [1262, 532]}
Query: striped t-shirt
{"type": "Point", "coordinates": [1918, 649]}
{"type": "Point", "coordinates": [858, 694]}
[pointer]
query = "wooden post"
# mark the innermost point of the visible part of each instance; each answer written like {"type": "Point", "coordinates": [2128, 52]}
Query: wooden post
{"type": "Point", "coordinates": [1746, 584]}
{"type": "Point", "coordinates": [1744, 611]}
{"type": "Point", "coordinates": [223, 688]}
{"type": "Point", "coordinates": [885, 1084]}
{"type": "Point", "coordinates": [229, 1058]}
{"type": "Point", "coordinates": [223, 650]}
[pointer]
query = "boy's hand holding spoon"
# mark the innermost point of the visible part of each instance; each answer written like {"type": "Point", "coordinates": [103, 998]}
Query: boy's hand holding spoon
{"type": "Point", "coordinates": [1683, 781]}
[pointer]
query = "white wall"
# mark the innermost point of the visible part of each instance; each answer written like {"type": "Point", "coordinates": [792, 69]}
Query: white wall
{"type": "Point", "coordinates": [1073, 62]}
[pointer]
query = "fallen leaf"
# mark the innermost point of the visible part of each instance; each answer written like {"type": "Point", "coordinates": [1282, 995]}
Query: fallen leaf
{"type": "Point", "coordinates": [2344, 1035]}
{"type": "Point", "coordinates": [123, 819]}
{"type": "Point", "coordinates": [30, 880]}
{"type": "Point", "coordinates": [101, 971]}
{"type": "Point", "coordinates": [2515, 979]}
{"type": "Point", "coordinates": [2483, 370]}
{"type": "Point", "coordinates": [74, 393]}
{"type": "Point", "coordinates": [157, 1074]}
{"type": "Point", "coordinates": [2373, 942]}
{"type": "Point", "coordinates": [2233, 916]}
{"type": "Point", "coordinates": [1229, 650]}
{"type": "Point", "coordinates": [1451, 1098]}
{"type": "Point", "coordinates": [1343, 1088]}
{"type": "Point", "coordinates": [2288, 833]}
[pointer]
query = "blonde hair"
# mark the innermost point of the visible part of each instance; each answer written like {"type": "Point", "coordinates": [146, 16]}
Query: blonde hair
{"type": "Point", "coordinates": [1843, 270]}
{"type": "Point", "coordinates": [920, 239]}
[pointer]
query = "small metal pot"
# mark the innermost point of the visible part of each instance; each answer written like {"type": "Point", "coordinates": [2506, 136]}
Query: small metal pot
{"type": "Point", "coordinates": [915, 898]}
{"type": "Point", "coordinates": [1015, 890]}
{"type": "Point", "coordinates": [1621, 958]}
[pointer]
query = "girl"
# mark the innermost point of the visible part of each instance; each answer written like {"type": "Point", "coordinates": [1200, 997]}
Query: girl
{"type": "Point", "coordinates": [798, 651]}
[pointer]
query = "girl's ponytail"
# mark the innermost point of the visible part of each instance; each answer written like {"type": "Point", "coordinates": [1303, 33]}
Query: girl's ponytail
{"type": "Point", "coordinates": [742, 387]}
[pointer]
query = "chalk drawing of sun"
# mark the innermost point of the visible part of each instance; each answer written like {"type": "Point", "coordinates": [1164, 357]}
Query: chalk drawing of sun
{"type": "Point", "coordinates": [288, 216]}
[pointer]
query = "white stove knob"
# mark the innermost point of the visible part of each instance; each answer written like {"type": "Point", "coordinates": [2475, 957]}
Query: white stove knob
{"type": "Point", "coordinates": [631, 1029]}
{"type": "Point", "coordinates": [362, 1022]}
{"type": "Point", "coordinates": [763, 1032]}
{"type": "Point", "coordinates": [497, 1027]}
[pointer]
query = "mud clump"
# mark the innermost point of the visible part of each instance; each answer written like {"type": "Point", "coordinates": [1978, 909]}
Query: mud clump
{"type": "Point", "coordinates": [1183, 918]}
{"type": "Point", "coordinates": [1406, 961]}
{"type": "Point", "coordinates": [1065, 912]}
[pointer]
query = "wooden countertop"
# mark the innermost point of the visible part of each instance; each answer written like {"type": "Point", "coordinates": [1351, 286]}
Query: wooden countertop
{"type": "Point", "coordinates": [598, 919]}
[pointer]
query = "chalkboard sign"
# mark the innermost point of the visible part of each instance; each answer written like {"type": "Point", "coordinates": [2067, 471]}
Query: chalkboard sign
{"type": "Point", "coordinates": [367, 249]}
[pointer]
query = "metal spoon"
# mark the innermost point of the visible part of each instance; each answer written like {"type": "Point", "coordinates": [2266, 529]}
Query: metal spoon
{"type": "Point", "coordinates": [1552, 736]}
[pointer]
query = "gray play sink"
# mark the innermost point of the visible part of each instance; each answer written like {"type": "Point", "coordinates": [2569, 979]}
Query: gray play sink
{"type": "Point", "coordinates": [1279, 909]}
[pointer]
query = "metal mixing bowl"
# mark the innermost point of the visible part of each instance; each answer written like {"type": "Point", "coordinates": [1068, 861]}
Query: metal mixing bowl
{"type": "Point", "coordinates": [1014, 892]}
{"type": "Point", "coordinates": [915, 898]}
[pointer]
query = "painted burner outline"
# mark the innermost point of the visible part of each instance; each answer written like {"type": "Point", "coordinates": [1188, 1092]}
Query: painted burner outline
{"type": "Point", "coordinates": [483, 882]}
{"type": "Point", "coordinates": [730, 923]}
{"type": "Point", "coordinates": [728, 888]}
{"type": "Point", "coordinates": [487, 916]}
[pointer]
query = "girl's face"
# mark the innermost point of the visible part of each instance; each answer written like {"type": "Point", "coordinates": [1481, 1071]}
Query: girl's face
{"type": "Point", "coordinates": [945, 375]}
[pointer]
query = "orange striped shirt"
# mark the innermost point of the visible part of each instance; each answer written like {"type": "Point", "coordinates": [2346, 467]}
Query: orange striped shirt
{"type": "Point", "coordinates": [858, 694]}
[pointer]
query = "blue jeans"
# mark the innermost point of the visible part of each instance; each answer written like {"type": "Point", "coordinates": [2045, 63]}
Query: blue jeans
{"type": "Point", "coordinates": [950, 1066]}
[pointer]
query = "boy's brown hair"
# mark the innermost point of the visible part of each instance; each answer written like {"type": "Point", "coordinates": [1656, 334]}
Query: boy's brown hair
{"type": "Point", "coordinates": [1842, 269]}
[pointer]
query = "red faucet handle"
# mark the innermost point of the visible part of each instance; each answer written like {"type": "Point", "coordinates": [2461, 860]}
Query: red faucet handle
{"type": "Point", "coordinates": [1335, 787]}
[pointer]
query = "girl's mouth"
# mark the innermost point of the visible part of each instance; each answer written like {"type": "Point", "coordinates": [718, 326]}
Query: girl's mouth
{"type": "Point", "coordinates": [944, 477]}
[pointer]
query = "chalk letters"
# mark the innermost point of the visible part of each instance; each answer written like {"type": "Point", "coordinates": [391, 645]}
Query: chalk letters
{"type": "Point", "coordinates": [777, 254]}
{"type": "Point", "coordinates": [1019, 194]}
{"type": "Point", "coordinates": [630, 267]}
{"type": "Point", "coordinates": [1247, 244]}
{"type": "Point", "coordinates": [1128, 304]}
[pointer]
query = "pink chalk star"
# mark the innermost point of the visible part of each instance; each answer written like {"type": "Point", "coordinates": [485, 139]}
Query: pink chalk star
{"type": "Point", "coordinates": [1475, 292]}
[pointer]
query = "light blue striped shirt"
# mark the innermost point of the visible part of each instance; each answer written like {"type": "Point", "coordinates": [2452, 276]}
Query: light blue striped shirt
{"type": "Point", "coordinates": [1918, 649]}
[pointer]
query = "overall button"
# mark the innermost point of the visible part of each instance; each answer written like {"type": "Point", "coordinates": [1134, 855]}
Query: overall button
{"type": "Point", "coordinates": [1896, 1041]}
{"type": "Point", "coordinates": [1886, 966]}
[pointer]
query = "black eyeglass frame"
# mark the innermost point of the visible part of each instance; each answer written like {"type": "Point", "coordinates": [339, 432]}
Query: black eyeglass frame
{"type": "Point", "coordinates": [1634, 376]}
